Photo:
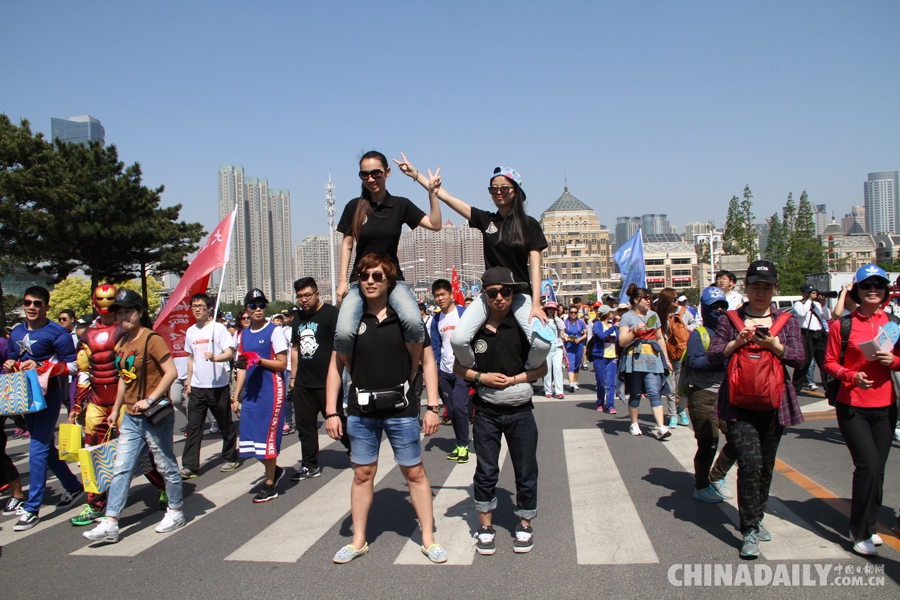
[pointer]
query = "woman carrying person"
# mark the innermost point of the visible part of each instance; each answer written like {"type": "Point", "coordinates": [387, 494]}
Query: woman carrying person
{"type": "Point", "coordinates": [373, 223]}
{"type": "Point", "coordinates": [511, 239]}
{"type": "Point", "coordinates": [866, 404]}
{"type": "Point", "coordinates": [603, 355]}
{"type": "Point", "coordinates": [666, 305]}
{"type": "Point", "coordinates": [553, 380]}
{"type": "Point", "coordinates": [146, 371]}
{"type": "Point", "coordinates": [576, 333]}
{"type": "Point", "coordinates": [755, 434]}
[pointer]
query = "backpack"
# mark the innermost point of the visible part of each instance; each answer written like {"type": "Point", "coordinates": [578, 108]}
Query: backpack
{"type": "Point", "coordinates": [676, 344]}
{"type": "Point", "coordinates": [755, 374]}
{"type": "Point", "coordinates": [833, 385]}
{"type": "Point", "coordinates": [684, 380]}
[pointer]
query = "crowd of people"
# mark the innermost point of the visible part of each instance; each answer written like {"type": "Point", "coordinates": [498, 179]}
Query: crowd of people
{"type": "Point", "coordinates": [721, 369]}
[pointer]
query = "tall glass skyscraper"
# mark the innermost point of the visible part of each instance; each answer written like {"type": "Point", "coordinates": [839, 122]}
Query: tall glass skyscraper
{"type": "Point", "coordinates": [882, 203]}
{"type": "Point", "coordinates": [78, 130]}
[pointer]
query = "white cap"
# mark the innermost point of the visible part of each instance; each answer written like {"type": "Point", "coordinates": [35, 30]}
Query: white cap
{"type": "Point", "coordinates": [682, 298]}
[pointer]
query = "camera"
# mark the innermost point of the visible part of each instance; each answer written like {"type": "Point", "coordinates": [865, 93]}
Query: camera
{"type": "Point", "coordinates": [828, 294]}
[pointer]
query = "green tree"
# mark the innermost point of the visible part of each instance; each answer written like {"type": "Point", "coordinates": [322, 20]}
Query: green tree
{"type": "Point", "coordinates": [777, 242]}
{"type": "Point", "coordinates": [154, 289]}
{"type": "Point", "coordinates": [748, 239]}
{"type": "Point", "coordinates": [804, 253]}
{"type": "Point", "coordinates": [731, 238]}
{"type": "Point", "coordinates": [72, 292]}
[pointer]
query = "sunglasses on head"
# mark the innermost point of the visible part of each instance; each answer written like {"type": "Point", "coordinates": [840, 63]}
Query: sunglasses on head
{"type": "Point", "coordinates": [37, 303]}
{"type": "Point", "coordinates": [377, 276]}
{"type": "Point", "coordinates": [878, 284]}
{"type": "Point", "coordinates": [505, 291]}
{"type": "Point", "coordinates": [259, 305]}
{"type": "Point", "coordinates": [375, 174]}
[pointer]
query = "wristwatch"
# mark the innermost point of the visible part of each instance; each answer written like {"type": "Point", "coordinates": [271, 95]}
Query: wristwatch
{"type": "Point", "coordinates": [435, 409]}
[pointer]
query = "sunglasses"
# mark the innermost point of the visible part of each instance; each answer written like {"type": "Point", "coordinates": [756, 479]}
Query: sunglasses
{"type": "Point", "coordinates": [245, 318]}
{"type": "Point", "coordinates": [37, 303]}
{"type": "Point", "coordinates": [863, 285]}
{"type": "Point", "coordinates": [64, 318]}
{"type": "Point", "coordinates": [376, 276]}
{"type": "Point", "coordinates": [504, 291]}
{"type": "Point", "coordinates": [503, 189]}
{"type": "Point", "coordinates": [259, 305]}
{"type": "Point", "coordinates": [375, 174]}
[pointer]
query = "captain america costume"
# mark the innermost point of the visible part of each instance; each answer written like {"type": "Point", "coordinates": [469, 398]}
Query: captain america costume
{"type": "Point", "coordinates": [52, 348]}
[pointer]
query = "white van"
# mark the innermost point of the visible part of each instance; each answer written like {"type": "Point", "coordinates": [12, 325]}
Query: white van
{"type": "Point", "coordinates": [785, 302]}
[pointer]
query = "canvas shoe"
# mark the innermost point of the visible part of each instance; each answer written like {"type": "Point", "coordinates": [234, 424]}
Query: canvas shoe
{"type": "Point", "coordinates": [26, 521]}
{"type": "Point", "coordinates": [485, 540]}
{"type": "Point", "coordinates": [12, 507]}
{"type": "Point", "coordinates": [524, 541]}
{"type": "Point", "coordinates": [435, 553]}
{"type": "Point", "coordinates": [172, 521]}
{"type": "Point", "coordinates": [348, 553]}
{"type": "Point", "coordinates": [708, 495]}
{"type": "Point", "coordinates": [721, 489]}
{"type": "Point", "coordinates": [105, 531]}
{"type": "Point", "coordinates": [635, 429]}
{"type": "Point", "coordinates": [612, 411]}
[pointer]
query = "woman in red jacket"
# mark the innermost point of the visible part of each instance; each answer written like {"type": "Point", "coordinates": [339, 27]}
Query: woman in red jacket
{"type": "Point", "coordinates": [866, 410]}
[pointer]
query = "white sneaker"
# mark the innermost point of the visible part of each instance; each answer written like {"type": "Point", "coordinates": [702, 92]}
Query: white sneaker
{"type": "Point", "coordinates": [865, 547]}
{"type": "Point", "coordinates": [876, 539]}
{"type": "Point", "coordinates": [106, 531]}
{"type": "Point", "coordinates": [897, 434]}
{"type": "Point", "coordinates": [662, 433]}
{"type": "Point", "coordinates": [172, 521]}
{"type": "Point", "coordinates": [635, 429]}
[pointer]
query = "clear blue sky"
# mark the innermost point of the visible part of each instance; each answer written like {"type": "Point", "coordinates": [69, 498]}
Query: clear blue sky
{"type": "Point", "coordinates": [648, 107]}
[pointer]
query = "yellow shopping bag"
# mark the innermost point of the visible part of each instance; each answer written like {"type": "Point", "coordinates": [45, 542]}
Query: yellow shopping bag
{"type": "Point", "coordinates": [97, 466]}
{"type": "Point", "coordinates": [70, 437]}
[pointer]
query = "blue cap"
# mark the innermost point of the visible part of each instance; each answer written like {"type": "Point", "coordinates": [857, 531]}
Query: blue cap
{"type": "Point", "coordinates": [713, 294]}
{"type": "Point", "coordinates": [869, 271]}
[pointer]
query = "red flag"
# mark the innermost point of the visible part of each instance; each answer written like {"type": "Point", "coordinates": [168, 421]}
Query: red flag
{"type": "Point", "coordinates": [458, 296]}
{"type": "Point", "coordinates": [175, 317]}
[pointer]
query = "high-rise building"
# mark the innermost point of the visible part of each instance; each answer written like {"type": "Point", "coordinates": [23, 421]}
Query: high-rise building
{"type": "Point", "coordinates": [312, 258]}
{"type": "Point", "coordinates": [821, 218]}
{"type": "Point", "coordinates": [78, 130]}
{"type": "Point", "coordinates": [261, 245]}
{"type": "Point", "coordinates": [427, 255]}
{"type": "Point", "coordinates": [654, 224]}
{"type": "Point", "coordinates": [695, 228]}
{"type": "Point", "coordinates": [882, 203]}
{"type": "Point", "coordinates": [855, 220]}
{"type": "Point", "coordinates": [625, 228]}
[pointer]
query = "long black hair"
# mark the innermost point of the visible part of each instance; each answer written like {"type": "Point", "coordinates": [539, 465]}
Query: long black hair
{"type": "Point", "coordinates": [512, 230]}
{"type": "Point", "coordinates": [362, 208]}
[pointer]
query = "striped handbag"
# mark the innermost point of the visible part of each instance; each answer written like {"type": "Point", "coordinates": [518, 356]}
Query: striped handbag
{"type": "Point", "coordinates": [97, 465]}
{"type": "Point", "coordinates": [20, 393]}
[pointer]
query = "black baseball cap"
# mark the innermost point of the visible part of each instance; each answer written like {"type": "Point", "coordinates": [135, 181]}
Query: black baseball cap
{"type": "Point", "coordinates": [762, 270]}
{"type": "Point", "coordinates": [255, 295]}
{"type": "Point", "coordinates": [127, 299]}
{"type": "Point", "coordinates": [502, 276]}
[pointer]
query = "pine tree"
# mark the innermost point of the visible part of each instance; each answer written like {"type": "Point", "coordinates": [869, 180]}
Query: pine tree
{"type": "Point", "coordinates": [776, 244]}
{"type": "Point", "coordinates": [748, 239]}
{"type": "Point", "coordinates": [804, 253]}
{"type": "Point", "coordinates": [732, 237]}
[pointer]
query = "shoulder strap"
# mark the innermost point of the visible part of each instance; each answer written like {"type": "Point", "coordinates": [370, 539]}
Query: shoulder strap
{"type": "Point", "coordinates": [780, 322]}
{"type": "Point", "coordinates": [736, 319]}
{"type": "Point", "coordinates": [143, 385]}
{"type": "Point", "coordinates": [704, 336]}
{"type": "Point", "coordinates": [846, 326]}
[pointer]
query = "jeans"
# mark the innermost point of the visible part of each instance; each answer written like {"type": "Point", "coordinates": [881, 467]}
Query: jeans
{"type": "Point", "coordinates": [605, 370]}
{"type": "Point", "coordinates": [867, 433]}
{"type": "Point", "coordinates": [218, 402]}
{"type": "Point", "coordinates": [455, 393]}
{"type": "Point", "coordinates": [135, 433]}
{"type": "Point", "coordinates": [402, 433]}
{"type": "Point", "coordinates": [43, 454]}
{"type": "Point", "coordinates": [476, 315]}
{"type": "Point", "coordinates": [554, 371]}
{"type": "Point", "coordinates": [402, 301]}
{"type": "Point", "coordinates": [520, 430]}
{"type": "Point", "coordinates": [647, 383]}
{"type": "Point", "coordinates": [755, 437]}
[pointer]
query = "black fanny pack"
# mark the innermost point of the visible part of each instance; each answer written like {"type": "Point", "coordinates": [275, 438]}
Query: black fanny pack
{"type": "Point", "coordinates": [394, 398]}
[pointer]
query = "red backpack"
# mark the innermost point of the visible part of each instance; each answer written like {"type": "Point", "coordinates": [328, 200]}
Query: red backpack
{"type": "Point", "coordinates": [755, 374]}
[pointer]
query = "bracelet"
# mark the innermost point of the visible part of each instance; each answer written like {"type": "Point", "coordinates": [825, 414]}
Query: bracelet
{"type": "Point", "coordinates": [332, 415]}
{"type": "Point", "coordinates": [478, 377]}
{"type": "Point", "coordinates": [416, 176]}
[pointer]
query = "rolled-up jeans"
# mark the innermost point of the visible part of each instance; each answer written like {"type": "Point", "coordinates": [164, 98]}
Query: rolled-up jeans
{"type": "Point", "coordinates": [135, 433]}
{"type": "Point", "coordinates": [477, 314]}
{"type": "Point", "coordinates": [401, 300]}
{"type": "Point", "coordinates": [520, 430]}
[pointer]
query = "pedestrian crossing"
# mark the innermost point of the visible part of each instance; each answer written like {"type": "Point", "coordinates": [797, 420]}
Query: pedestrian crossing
{"type": "Point", "coordinates": [592, 490]}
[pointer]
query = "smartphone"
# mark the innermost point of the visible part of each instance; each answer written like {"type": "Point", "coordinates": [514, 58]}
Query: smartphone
{"type": "Point", "coordinates": [762, 331]}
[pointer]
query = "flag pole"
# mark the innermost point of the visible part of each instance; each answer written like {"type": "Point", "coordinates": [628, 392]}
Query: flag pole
{"type": "Point", "coordinates": [224, 267]}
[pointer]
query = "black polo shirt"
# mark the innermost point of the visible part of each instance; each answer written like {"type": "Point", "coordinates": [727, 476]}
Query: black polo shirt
{"type": "Point", "coordinates": [380, 361]}
{"type": "Point", "coordinates": [314, 336]}
{"type": "Point", "coordinates": [381, 231]}
{"type": "Point", "coordinates": [504, 351]}
{"type": "Point", "coordinates": [497, 254]}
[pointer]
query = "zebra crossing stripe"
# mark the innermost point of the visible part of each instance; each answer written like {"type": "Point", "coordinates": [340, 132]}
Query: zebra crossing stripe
{"type": "Point", "coordinates": [196, 506]}
{"type": "Point", "coordinates": [283, 541]}
{"type": "Point", "coordinates": [455, 519]}
{"type": "Point", "coordinates": [792, 537]}
{"type": "Point", "coordinates": [602, 537]}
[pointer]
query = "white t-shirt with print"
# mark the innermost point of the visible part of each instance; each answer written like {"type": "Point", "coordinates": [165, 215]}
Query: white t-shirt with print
{"type": "Point", "coordinates": [207, 374]}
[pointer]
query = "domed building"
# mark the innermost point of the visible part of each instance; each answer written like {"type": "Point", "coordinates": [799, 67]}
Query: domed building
{"type": "Point", "coordinates": [845, 252]}
{"type": "Point", "coordinates": [578, 252]}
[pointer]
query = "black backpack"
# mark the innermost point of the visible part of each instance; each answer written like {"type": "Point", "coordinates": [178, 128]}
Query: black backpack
{"type": "Point", "coordinates": [833, 385]}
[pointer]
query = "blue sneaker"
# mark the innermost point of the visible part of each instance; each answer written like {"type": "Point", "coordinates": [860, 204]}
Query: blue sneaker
{"type": "Point", "coordinates": [683, 417]}
{"type": "Point", "coordinates": [719, 486]}
{"type": "Point", "coordinates": [673, 422]}
{"type": "Point", "coordinates": [750, 547]}
{"type": "Point", "coordinates": [708, 495]}
{"type": "Point", "coordinates": [763, 535]}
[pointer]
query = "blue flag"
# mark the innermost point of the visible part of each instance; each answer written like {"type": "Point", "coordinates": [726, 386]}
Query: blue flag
{"type": "Point", "coordinates": [630, 258]}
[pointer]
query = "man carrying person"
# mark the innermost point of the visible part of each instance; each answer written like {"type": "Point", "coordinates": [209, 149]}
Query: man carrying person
{"type": "Point", "coordinates": [814, 329]}
{"type": "Point", "coordinates": [454, 390]}
{"type": "Point", "coordinates": [312, 342]}
{"type": "Point", "coordinates": [209, 347]}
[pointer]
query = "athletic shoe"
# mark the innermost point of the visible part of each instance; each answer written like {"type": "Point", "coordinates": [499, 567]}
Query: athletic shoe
{"type": "Point", "coordinates": [445, 421]}
{"type": "Point", "coordinates": [279, 474]}
{"type": "Point", "coordinates": [635, 429]}
{"type": "Point", "coordinates": [163, 500]}
{"type": "Point", "coordinates": [524, 541]}
{"type": "Point", "coordinates": [463, 455]}
{"type": "Point", "coordinates": [750, 548]}
{"type": "Point", "coordinates": [549, 395]}
{"type": "Point", "coordinates": [601, 409]}
{"type": "Point", "coordinates": [435, 553]}
{"type": "Point", "coordinates": [454, 455]}
{"type": "Point", "coordinates": [612, 411]}
{"type": "Point", "coordinates": [229, 467]}
{"type": "Point", "coordinates": [812, 387]}
{"type": "Point", "coordinates": [267, 493]}
{"type": "Point", "coordinates": [864, 547]}
{"type": "Point", "coordinates": [673, 422]}
{"type": "Point", "coordinates": [172, 521]}
{"type": "Point", "coordinates": [306, 473]}
{"type": "Point", "coordinates": [484, 540]}
{"type": "Point", "coordinates": [69, 498]}
{"type": "Point", "coordinates": [214, 428]}
{"type": "Point", "coordinates": [20, 433]}
{"type": "Point", "coordinates": [13, 506]}
{"type": "Point", "coordinates": [105, 531]}
{"type": "Point", "coordinates": [897, 434]}
{"type": "Point", "coordinates": [721, 489]}
{"type": "Point", "coordinates": [662, 433]}
{"type": "Point", "coordinates": [763, 534]}
{"type": "Point", "coordinates": [88, 515]}
{"type": "Point", "coordinates": [348, 553]}
{"type": "Point", "coordinates": [708, 495]}
{"type": "Point", "coordinates": [26, 521]}
{"type": "Point", "coordinates": [571, 389]}
{"type": "Point", "coordinates": [575, 387]}
{"type": "Point", "coordinates": [188, 474]}
{"type": "Point", "coordinates": [560, 396]}
{"type": "Point", "coordinates": [683, 418]}
{"type": "Point", "coordinates": [876, 539]}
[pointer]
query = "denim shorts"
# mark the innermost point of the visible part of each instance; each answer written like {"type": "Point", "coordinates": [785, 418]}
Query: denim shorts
{"type": "Point", "coordinates": [402, 433]}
